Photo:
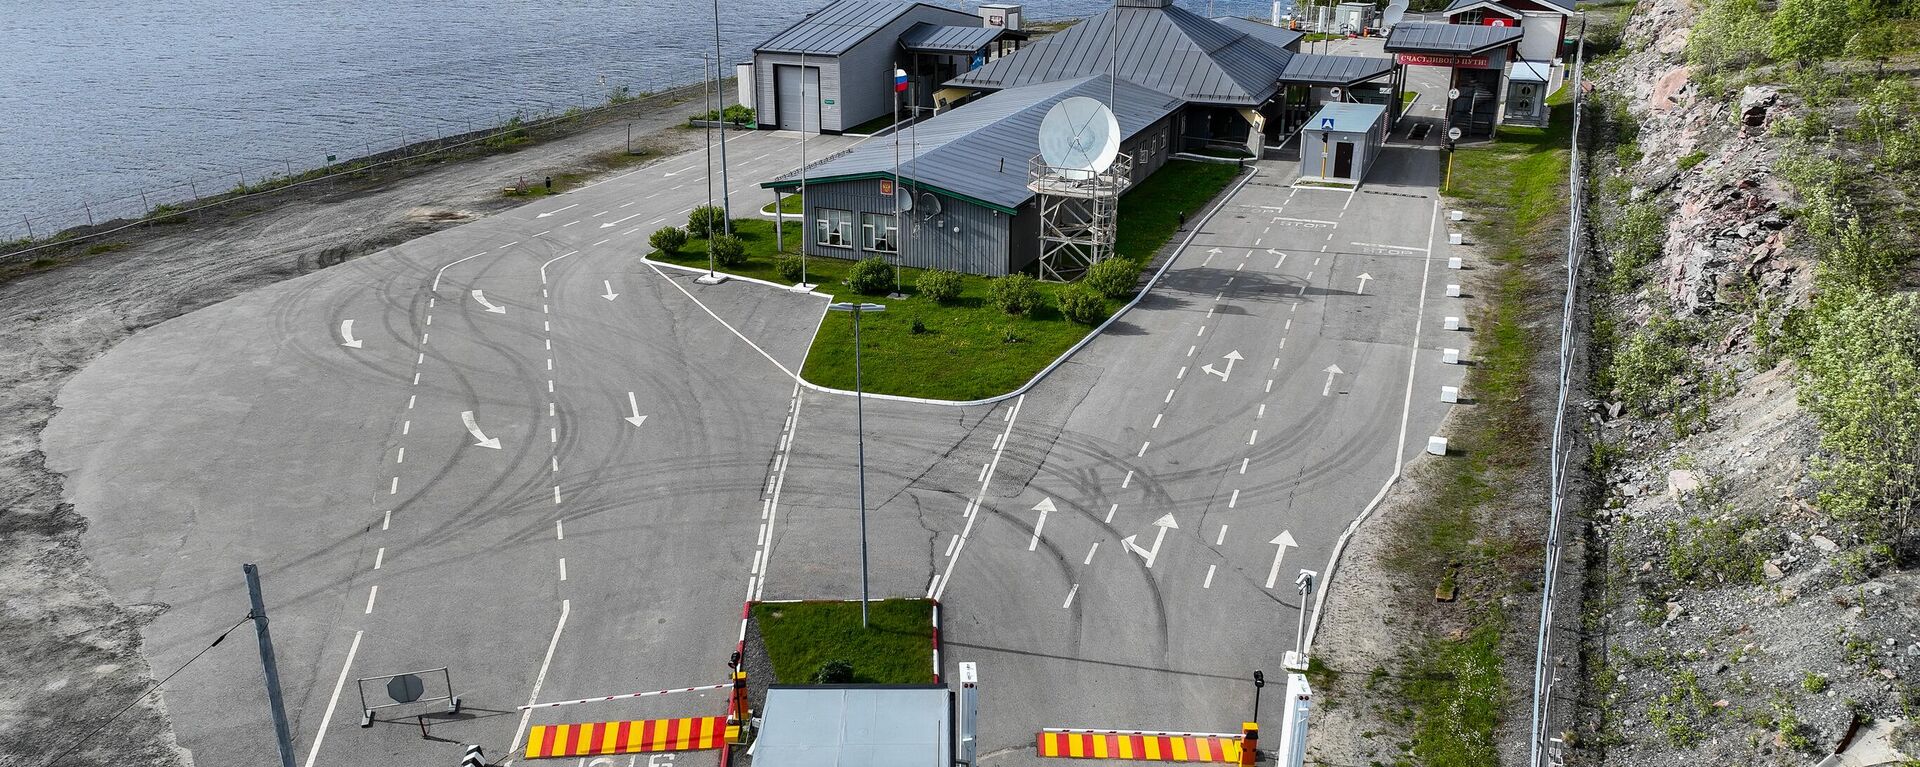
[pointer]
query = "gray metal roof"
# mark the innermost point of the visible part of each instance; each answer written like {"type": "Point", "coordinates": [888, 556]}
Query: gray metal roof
{"type": "Point", "coordinates": [1277, 37]}
{"type": "Point", "coordinates": [1168, 49]}
{"type": "Point", "coordinates": [835, 29]}
{"type": "Point", "coordinates": [935, 38]}
{"type": "Point", "coordinates": [1347, 116]}
{"type": "Point", "coordinates": [1428, 37]}
{"type": "Point", "coordinates": [980, 151]}
{"type": "Point", "coordinates": [1563, 6]}
{"type": "Point", "coordinates": [1321, 69]}
{"type": "Point", "coordinates": [853, 726]}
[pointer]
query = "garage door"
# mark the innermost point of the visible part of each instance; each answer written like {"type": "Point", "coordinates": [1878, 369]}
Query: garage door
{"type": "Point", "coordinates": [796, 100]}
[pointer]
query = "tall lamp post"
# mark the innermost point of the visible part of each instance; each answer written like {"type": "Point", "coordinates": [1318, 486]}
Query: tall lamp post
{"type": "Point", "coordinates": [860, 430]}
{"type": "Point", "coordinates": [720, 103]}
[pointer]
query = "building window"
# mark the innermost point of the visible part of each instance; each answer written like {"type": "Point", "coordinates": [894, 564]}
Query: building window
{"type": "Point", "coordinates": [833, 228]}
{"type": "Point", "coordinates": [879, 232]}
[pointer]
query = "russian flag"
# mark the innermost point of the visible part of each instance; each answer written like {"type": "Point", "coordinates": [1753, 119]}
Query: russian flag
{"type": "Point", "coordinates": [899, 81]}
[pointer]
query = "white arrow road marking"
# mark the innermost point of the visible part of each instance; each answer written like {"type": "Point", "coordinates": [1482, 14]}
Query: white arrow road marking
{"type": "Point", "coordinates": [1045, 505]}
{"type": "Point", "coordinates": [346, 335]}
{"type": "Point", "coordinates": [610, 295]}
{"type": "Point", "coordinates": [482, 299]}
{"type": "Point", "coordinates": [551, 212]}
{"type": "Point", "coordinates": [636, 419]}
{"type": "Point", "coordinates": [617, 223]}
{"type": "Point", "coordinates": [473, 428]}
{"type": "Point", "coordinates": [1332, 370]}
{"type": "Point", "coordinates": [1283, 540]}
{"type": "Point", "coordinates": [1165, 523]}
{"type": "Point", "coordinates": [1232, 357]}
{"type": "Point", "coordinates": [1363, 282]}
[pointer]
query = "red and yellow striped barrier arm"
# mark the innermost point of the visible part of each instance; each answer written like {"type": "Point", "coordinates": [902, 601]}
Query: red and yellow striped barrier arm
{"type": "Point", "coordinates": [1162, 748]}
{"type": "Point", "coordinates": [546, 741]}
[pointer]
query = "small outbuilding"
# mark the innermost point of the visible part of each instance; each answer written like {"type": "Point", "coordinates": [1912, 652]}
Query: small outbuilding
{"type": "Point", "coordinates": [833, 70]}
{"type": "Point", "coordinates": [1341, 141]}
{"type": "Point", "coordinates": [855, 726]}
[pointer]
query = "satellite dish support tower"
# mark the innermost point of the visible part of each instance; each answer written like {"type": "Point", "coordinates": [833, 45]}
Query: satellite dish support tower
{"type": "Point", "coordinates": [1078, 177]}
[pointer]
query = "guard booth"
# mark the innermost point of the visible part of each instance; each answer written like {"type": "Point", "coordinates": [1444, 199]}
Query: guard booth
{"type": "Point", "coordinates": [1341, 141]}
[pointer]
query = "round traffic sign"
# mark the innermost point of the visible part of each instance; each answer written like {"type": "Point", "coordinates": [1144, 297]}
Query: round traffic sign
{"type": "Point", "coordinates": [1453, 134]}
{"type": "Point", "coordinates": [1453, 93]}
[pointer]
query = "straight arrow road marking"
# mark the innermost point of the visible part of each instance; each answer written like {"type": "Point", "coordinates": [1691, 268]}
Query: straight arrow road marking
{"type": "Point", "coordinates": [1363, 283]}
{"type": "Point", "coordinates": [610, 295]}
{"type": "Point", "coordinates": [346, 335]}
{"type": "Point", "coordinates": [551, 212]}
{"type": "Point", "coordinates": [1165, 523]}
{"type": "Point", "coordinates": [1231, 357]}
{"type": "Point", "coordinates": [1283, 540]}
{"type": "Point", "coordinates": [466, 416]}
{"type": "Point", "coordinates": [1332, 370]}
{"type": "Point", "coordinates": [481, 298]}
{"type": "Point", "coordinates": [636, 419]}
{"type": "Point", "coordinates": [1045, 505]}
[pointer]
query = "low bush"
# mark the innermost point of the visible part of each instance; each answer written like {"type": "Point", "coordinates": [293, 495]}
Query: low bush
{"type": "Point", "coordinates": [1014, 294]}
{"type": "Point", "coordinates": [939, 286]}
{"type": "Point", "coordinates": [728, 250]}
{"type": "Point", "coordinates": [791, 268]}
{"type": "Point", "coordinates": [1082, 303]}
{"type": "Point", "coordinates": [706, 220]}
{"type": "Point", "coordinates": [834, 672]}
{"type": "Point", "coordinates": [871, 276]}
{"type": "Point", "coordinates": [668, 239]}
{"type": "Point", "coordinates": [1113, 278]}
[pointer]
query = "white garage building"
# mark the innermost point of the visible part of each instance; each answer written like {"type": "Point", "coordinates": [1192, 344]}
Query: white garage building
{"type": "Point", "coordinates": [834, 69]}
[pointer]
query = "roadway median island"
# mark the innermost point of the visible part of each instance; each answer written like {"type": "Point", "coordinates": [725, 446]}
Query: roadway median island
{"type": "Point", "coordinates": [963, 349]}
{"type": "Point", "coordinates": [822, 642]}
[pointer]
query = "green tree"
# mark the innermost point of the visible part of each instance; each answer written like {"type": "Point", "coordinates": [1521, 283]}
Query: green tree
{"type": "Point", "coordinates": [1860, 378]}
{"type": "Point", "coordinates": [1811, 30]}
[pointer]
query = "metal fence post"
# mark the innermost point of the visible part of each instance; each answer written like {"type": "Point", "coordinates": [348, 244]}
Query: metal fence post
{"type": "Point", "coordinates": [29, 223]}
{"type": "Point", "coordinates": [89, 209]}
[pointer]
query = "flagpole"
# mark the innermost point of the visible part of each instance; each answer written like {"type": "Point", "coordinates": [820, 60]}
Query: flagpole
{"type": "Point", "coordinates": [805, 226]}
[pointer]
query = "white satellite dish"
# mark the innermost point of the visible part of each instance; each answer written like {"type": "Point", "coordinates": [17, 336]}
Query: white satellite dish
{"type": "Point", "coordinates": [1079, 136]}
{"type": "Point", "coordinates": [1391, 17]}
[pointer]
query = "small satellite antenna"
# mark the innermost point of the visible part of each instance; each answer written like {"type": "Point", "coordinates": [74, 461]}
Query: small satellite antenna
{"type": "Point", "coordinates": [929, 205]}
{"type": "Point", "coordinates": [1079, 137]}
{"type": "Point", "coordinates": [1391, 17]}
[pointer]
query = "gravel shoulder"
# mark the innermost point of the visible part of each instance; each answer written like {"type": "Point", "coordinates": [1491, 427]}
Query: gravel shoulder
{"type": "Point", "coordinates": [72, 654]}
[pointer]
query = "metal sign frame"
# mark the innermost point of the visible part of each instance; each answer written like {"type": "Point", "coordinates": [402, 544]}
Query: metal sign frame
{"type": "Point", "coordinates": [446, 678]}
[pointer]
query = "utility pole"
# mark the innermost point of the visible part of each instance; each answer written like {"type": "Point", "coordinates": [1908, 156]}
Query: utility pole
{"type": "Point", "coordinates": [726, 196]}
{"type": "Point", "coordinates": [259, 616]}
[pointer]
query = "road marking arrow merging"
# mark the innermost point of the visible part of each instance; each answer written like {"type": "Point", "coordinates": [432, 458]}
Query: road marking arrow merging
{"type": "Point", "coordinates": [346, 335]}
{"type": "Point", "coordinates": [610, 295]}
{"type": "Point", "coordinates": [1045, 505]}
{"type": "Point", "coordinates": [1165, 523]}
{"type": "Point", "coordinates": [636, 419]}
{"type": "Point", "coordinates": [482, 299]}
{"type": "Point", "coordinates": [466, 416]}
{"type": "Point", "coordinates": [1332, 370]}
{"type": "Point", "coordinates": [1283, 540]}
{"type": "Point", "coordinates": [1232, 357]}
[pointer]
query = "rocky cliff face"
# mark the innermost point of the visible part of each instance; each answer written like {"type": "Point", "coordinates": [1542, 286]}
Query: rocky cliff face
{"type": "Point", "coordinates": [1729, 620]}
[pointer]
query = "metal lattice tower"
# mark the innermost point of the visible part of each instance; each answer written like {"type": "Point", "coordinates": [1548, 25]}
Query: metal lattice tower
{"type": "Point", "coordinates": [1078, 210]}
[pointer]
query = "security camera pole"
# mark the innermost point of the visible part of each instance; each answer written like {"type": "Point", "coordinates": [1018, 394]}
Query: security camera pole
{"type": "Point", "coordinates": [860, 430]}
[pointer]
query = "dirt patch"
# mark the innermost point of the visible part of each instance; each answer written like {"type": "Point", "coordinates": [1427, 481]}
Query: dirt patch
{"type": "Point", "coordinates": [72, 656]}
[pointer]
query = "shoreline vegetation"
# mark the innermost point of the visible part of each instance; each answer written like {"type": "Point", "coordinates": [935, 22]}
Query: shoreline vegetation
{"type": "Point", "coordinates": [519, 132]}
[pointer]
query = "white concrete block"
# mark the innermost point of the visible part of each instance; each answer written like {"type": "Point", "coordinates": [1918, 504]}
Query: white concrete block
{"type": "Point", "coordinates": [1453, 262]}
{"type": "Point", "coordinates": [1437, 445]}
{"type": "Point", "coordinates": [1451, 323]}
{"type": "Point", "coordinates": [1450, 356]}
{"type": "Point", "coordinates": [1453, 291]}
{"type": "Point", "coordinates": [1454, 238]}
{"type": "Point", "coordinates": [1458, 215]}
{"type": "Point", "coordinates": [1449, 394]}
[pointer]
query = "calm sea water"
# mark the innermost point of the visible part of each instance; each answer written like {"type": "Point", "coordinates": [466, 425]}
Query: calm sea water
{"type": "Point", "coordinates": [103, 100]}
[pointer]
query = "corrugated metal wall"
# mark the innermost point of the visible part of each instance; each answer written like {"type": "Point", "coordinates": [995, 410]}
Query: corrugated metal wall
{"type": "Point", "coordinates": [962, 237]}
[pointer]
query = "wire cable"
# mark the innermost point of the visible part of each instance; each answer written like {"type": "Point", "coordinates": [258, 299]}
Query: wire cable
{"type": "Point", "coordinates": [143, 695]}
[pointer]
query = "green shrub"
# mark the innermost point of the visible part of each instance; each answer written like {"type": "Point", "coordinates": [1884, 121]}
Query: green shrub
{"type": "Point", "coordinates": [1081, 303]}
{"type": "Point", "coordinates": [1860, 378]}
{"type": "Point", "coordinates": [940, 286]}
{"type": "Point", "coordinates": [728, 250]}
{"type": "Point", "coordinates": [1014, 294]}
{"type": "Point", "coordinates": [1728, 34]}
{"type": "Point", "coordinates": [791, 268]}
{"type": "Point", "coordinates": [1692, 159]}
{"type": "Point", "coordinates": [871, 276]}
{"type": "Point", "coordinates": [1648, 367]}
{"type": "Point", "coordinates": [1808, 30]}
{"type": "Point", "coordinates": [1113, 278]}
{"type": "Point", "coordinates": [834, 672]}
{"type": "Point", "coordinates": [1814, 683]}
{"type": "Point", "coordinates": [738, 114]}
{"type": "Point", "coordinates": [1710, 552]}
{"type": "Point", "coordinates": [1636, 238]}
{"type": "Point", "coordinates": [705, 220]}
{"type": "Point", "coordinates": [668, 239]}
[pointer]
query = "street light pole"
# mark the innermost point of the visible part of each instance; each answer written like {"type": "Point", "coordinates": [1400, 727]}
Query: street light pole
{"type": "Point", "coordinates": [726, 197]}
{"type": "Point", "coordinates": [860, 430]}
{"type": "Point", "coordinates": [283, 735]}
{"type": "Point", "coordinates": [706, 102]}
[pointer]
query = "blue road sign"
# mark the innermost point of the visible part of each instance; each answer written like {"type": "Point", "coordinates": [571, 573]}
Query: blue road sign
{"type": "Point", "coordinates": [1326, 123]}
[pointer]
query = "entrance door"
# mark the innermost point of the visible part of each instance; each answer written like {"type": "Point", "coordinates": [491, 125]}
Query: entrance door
{"type": "Point", "coordinates": [1343, 159]}
{"type": "Point", "coordinates": [796, 99]}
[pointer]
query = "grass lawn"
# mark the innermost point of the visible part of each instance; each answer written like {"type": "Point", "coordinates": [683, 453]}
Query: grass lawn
{"type": "Point", "coordinates": [896, 648]}
{"type": "Point", "coordinates": [789, 203]}
{"type": "Point", "coordinates": [872, 125]}
{"type": "Point", "coordinates": [1516, 190]}
{"type": "Point", "coordinates": [964, 351]}
{"type": "Point", "coordinates": [1407, 97]}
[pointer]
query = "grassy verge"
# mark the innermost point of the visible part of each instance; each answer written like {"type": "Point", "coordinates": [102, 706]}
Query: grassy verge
{"type": "Point", "coordinates": [1469, 531]}
{"type": "Point", "coordinates": [789, 204]}
{"type": "Point", "coordinates": [896, 648]}
{"type": "Point", "coordinates": [964, 349]}
{"type": "Point", "coordinates": [877, 123]}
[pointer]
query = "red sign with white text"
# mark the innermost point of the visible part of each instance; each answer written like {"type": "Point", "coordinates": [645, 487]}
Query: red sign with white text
{"type": "Point", "coordinates": [1433, 60]}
